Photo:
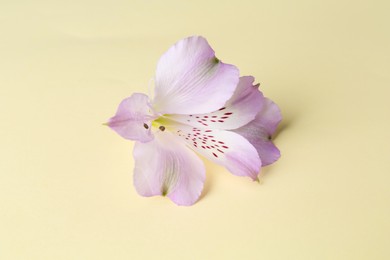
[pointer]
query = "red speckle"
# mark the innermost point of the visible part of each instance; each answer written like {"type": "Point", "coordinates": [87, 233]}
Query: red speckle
{"type": "Point", "coordinates": [203, 147]}
{"type": "Point", "coordinates": [208, 131]}
{"type": "Point", "coordinates": [221, 142]}
{"type": "Point", "coordinates": [225, 147]}
{"type": "Point", "coordinates": [229, 113]}
{"type": "Point", "coordinates": [220, 151]}
{"type": "Point", "coordinates": [215, 155]}
{"type": "Point", "coordinates": [221, 121]}
{"type": "Point", "coordinates": [222, 108]}
{"type": "Point", "coordinates": [213, 140]}
{"type": "Point", "coordinates": [197, 117]}
{"type": "Point", "coordinates": [206, 117]}
{"type": "Point", "coordinates": [214, 116]}
{"type": "Point", "coordinates": [224, 117]}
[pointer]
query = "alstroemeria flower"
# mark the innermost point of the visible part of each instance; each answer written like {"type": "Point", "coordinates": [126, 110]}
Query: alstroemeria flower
{"type": "Point", "coordinates": [200, 105]}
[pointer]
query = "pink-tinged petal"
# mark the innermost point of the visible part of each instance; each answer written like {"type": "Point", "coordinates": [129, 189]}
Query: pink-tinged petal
{"type": "Point", "coordinates": [242, 108]}
{"type": "Point", "coordinates": [269, 116]}
{"type": "Point", "coordinates": [225, 148]}
{"type": "Point", "coordinates": [190, 79]}
{"type": "Point", "coordinates": [259, 132]}
{"type": "Point", "coordinates": [165, 166]}
{"type": "Point", "coordinates": [131, 120]}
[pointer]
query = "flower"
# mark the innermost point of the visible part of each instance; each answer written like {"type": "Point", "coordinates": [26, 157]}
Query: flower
{"type": "Point", "coordinates": [200, 104]}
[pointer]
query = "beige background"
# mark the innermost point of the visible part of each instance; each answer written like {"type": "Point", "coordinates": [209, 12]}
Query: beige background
{"type": "Point", "coordinates": [66, 181]}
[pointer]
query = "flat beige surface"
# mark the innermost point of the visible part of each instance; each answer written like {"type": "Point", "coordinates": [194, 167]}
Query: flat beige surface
{"type": "Point", "coordinates": [66, 181]}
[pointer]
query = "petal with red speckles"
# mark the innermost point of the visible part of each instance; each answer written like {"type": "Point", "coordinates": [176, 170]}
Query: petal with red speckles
{"type": "Point", "coordinates": [226, 148]}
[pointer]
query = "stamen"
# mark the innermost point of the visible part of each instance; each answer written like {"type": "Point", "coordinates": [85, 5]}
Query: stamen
{"type": "Point", "coordinates": [162, 128]}
{"type": "Point", "coordinates": [146, 126]}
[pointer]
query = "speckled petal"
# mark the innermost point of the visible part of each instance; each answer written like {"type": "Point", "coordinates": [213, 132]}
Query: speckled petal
{"type": "Point", "coordinates": [225, 148]}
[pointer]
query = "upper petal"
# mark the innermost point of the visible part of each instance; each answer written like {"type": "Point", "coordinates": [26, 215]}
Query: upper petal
{"type": "Point", "coordinates": [132, 119]}
{"type": "Point", "coordinates": [260, 130]}
{"type": "Point", "coordinates": [190, 79]}
{"type": "Point", "coordinates": [241, 108]}
{"type": "Point", "coordinates": [165, 166]}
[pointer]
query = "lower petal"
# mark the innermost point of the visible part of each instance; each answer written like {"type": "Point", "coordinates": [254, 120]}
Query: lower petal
{"type": "Point", "coordinates": [165, 166]}
{"type": "Point", "coordinates": [226, 148]}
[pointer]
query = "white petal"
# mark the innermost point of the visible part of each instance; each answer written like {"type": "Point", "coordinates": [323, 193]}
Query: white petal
{"type": "Point", "coordinates": [222, 147]}
{"type": "Point", "coordinates": [190, 79]}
